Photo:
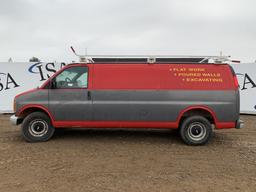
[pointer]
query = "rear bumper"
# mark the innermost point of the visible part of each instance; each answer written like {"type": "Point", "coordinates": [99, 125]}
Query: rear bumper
{"type": "Point", "coordinates": [239, 124]}
{"type": "Point", "coordinates": [14, 120]}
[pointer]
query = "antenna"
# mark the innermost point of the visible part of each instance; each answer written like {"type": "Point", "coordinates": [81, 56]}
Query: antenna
{"type": "Point", "coordinates": [73, 50]}
{"type": "Point", "coordinates": [82, 58]}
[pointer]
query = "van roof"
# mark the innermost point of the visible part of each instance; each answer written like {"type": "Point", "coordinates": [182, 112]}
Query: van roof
{"type": "Point", "coordinates": [146, 60]}
{"type": "Point", "coordinates": [137, 59]}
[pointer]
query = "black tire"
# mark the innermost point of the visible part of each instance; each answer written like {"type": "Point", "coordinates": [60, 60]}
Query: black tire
{"type": "Point", "coordinates": [196, 130]}
{"type": "Point", "coordinates": [37, 127]}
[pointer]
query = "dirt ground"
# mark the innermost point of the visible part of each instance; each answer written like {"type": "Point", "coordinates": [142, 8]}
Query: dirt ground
{"type": "Point", "coordinates": [127, 160]}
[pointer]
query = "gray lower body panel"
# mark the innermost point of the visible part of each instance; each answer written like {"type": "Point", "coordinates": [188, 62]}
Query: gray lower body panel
{"type": "Point", "coordinates": [155, 105]}
{"type": "Point", "coordinates": [132, 105]}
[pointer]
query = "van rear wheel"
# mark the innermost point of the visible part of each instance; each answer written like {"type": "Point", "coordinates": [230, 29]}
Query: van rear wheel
{"type": "Point", "coordinates": [37, 127]}
{"type": "Point", "coordinates": [196, 130]}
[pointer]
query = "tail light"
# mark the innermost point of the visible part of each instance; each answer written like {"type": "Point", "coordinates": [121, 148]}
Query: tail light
{"type": "Point", "coordinates": [234, 77]}
{"type": "Point", "coordinates": [236, 81]}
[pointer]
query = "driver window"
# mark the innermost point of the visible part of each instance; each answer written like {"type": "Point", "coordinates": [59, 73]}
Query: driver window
{"type": "Point", "coordinates": [72, 77]}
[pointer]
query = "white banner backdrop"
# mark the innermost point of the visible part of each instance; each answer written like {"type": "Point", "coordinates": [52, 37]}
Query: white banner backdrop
{"type": "Point", "coordinates": [16, 78]}
{"type": "Point", "coordinates": [19, 77]}
{"type": "Point", "coordinates": [246, 75]}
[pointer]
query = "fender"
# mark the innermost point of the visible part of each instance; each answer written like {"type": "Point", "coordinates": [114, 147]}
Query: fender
{"type": "Point", "coordinates": [218, 124]}
{"type": "Point", "coordinates": [35, 106]}
{"type": "Point", "coordinates": [198, 107]}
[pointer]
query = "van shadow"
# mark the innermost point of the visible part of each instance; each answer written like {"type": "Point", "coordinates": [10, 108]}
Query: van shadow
{"type": "Point", "coordinates": [146, 135]}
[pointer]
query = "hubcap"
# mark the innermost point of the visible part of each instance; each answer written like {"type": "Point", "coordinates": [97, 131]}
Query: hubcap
{"type": "Point", "coordinates": [196, 131]}
{"type": "Point", "coordinates": [38, 128]}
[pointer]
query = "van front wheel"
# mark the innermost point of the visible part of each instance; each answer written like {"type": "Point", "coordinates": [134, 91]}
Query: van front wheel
{"type": "Point", "coordinates": [196, 130]}
{"type": "Point", "coordinates": [37, 127]}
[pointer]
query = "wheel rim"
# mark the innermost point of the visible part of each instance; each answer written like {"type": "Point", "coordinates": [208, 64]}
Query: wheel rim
{"type": "Point", "coordinates": [197, 131]}
{"type": "Point", "coordinates": [38, 128]}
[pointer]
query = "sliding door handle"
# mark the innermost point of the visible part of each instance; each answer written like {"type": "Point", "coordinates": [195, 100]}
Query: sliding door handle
{"type": "Point", "coordinates": [89, 95]}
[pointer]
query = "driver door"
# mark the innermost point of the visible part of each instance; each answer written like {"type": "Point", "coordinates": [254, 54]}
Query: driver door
{"type": "Point", "coordinates": [68, 95]}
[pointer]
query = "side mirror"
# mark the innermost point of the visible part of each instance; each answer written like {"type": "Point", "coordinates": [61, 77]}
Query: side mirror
{"type": "Point", "coordinates": [53, 84]}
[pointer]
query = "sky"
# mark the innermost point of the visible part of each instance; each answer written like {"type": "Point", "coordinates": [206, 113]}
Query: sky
{"type": "Point", "coordinates": [47, 28]}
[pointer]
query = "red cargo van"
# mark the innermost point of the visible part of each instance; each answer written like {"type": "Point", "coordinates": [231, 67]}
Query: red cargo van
{"type": "Point", "coordinates": [191, 97]}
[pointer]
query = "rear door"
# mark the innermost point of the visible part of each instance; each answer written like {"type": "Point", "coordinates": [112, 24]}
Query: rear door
{"type": "Point", "coordinates": [68, 98]}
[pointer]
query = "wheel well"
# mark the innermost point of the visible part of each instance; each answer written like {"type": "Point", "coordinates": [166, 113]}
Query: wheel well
{"type": "Point", "coordinates": [28, 111]}
{"type": "Point", "coordinates": [199, 112]}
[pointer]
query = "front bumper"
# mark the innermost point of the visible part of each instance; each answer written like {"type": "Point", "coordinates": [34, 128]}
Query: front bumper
{"type": "Point", "coordinates": [239, 124]}
{"type": "Point", "coordinates": [14, 120]}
